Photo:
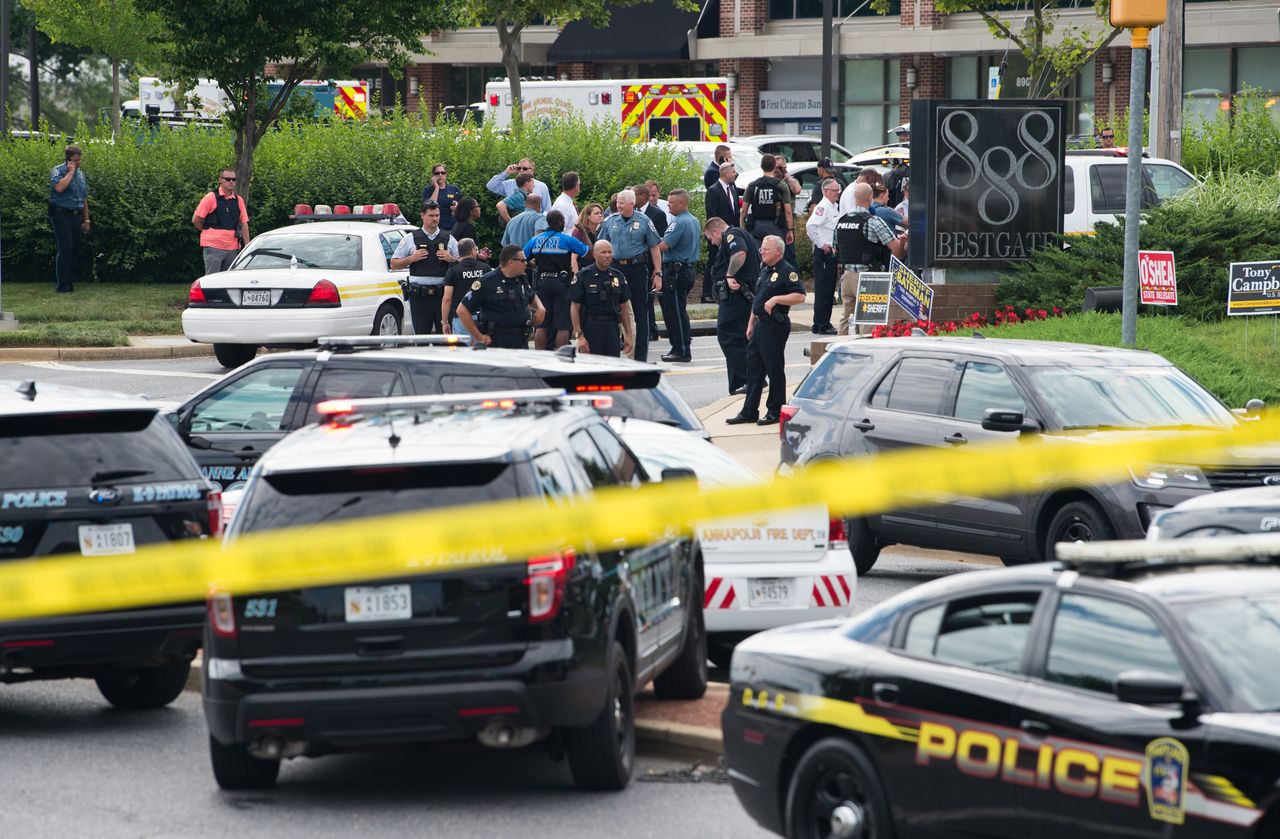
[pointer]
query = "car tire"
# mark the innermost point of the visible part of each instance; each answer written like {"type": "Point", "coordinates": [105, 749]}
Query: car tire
{"type": "Point", "coordinates": [835, 775]}
{"type": "Point", "coordinates": [686, 677]}
{"type": "Point", "coordinates": [601, 756]}
{"type": "Point", "coordinates": [234, 355]}
{"type": "Point", "coordinates": [143, 688]}
{"type": "Point", "coordinates": [862, 544]}
{"type": "Point", "coordinates": [235, 769]}
{"type": "Point", "coordinates": [1077, 521]}
{"type": "Point", "coordinates": [387, 321]}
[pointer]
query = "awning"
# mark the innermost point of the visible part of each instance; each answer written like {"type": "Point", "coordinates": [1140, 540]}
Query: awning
{"type": "Point", "coordinates": [650, 32]}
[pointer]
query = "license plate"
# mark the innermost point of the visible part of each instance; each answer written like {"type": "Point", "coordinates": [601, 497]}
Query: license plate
{"type": "Point", "coordinates": [378, 603]}
{"type": "Point", "coordinates": [255, 297]}
{"type": "Point", "coordinates": [769, 591]}
{"type": "Point", "coordinates": [106, 539]}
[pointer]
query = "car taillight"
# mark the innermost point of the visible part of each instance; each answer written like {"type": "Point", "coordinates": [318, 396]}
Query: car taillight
{"type": "Point", "coordinates": [195, 297]}
{"type": "Point", "coordinates": [546, 581]}
{"type": "Point", "coordinates": [785, 413]}
{"type": "Point", "coordinates": [214, 501]}
{"type": "Point", "coordinates": [837, 538]}
{"type": "Point", "coordinates": [493, 100]}
{"type": "Point", "coordinates": [325, 293]}
{"type": "Point", "coordinates": [222, 615]}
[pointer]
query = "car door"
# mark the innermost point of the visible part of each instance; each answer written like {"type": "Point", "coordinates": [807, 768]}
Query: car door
{"type": "Point", "coordinates": [969, 523]}
{"type": "Point", "coordinates": [952, 682]}
{"type": "Point", "coordinates": [228, 427]}
{"type": "Point", "coordinates": [351, 380]}
{"type": "Point", "coordinates": [900, 412]}
{"type": "Point", "coordinates": [1091, 751]}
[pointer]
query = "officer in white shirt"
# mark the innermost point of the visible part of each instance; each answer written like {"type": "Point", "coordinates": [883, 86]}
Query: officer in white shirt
{"type": "Point", "coordinates": [821, 228]}
{"type": "Point", "coordinates": [570, 186]}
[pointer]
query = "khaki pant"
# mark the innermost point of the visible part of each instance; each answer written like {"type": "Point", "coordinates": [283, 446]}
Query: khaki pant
{"type": "Point", "coordinates": [848, 296]}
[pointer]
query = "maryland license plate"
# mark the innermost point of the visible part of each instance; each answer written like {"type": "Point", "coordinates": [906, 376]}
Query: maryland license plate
{"type": "Point", "coordinates": [378, 603]}
{"type": "Point", "coordinates": [769, 591]}
{"type": "Point", "coordinates": [255, 297]}
{"type": "Point", "coordinates": [106, 539]}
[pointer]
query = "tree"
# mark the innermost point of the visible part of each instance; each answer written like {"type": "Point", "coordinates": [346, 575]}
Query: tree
{"type": "Point", "coordinates": [511, 17]}
{"type": "Point", "coordinates": [234, 42]}
{"type": "Point", "coordinates": [117, 29]}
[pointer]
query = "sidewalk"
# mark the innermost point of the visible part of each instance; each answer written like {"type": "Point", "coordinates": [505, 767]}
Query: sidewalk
{"type": "Point", "coordinates": [140, 347]}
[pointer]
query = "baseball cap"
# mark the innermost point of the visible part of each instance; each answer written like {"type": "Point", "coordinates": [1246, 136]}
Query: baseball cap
{"type": "Point", "coordinates": [825, 163]}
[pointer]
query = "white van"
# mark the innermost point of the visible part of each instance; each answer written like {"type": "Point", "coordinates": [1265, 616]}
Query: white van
{"type": "Point", "coordinates": [1095, 187]}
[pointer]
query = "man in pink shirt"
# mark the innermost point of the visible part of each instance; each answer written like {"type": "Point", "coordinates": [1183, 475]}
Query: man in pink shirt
{"type": "Point", "coordinates": [223, 222]}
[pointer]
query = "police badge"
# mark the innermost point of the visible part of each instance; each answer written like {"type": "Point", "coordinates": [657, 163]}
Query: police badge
{"type": "Point", "coordinates": [475, 286]}
{"type": "Point", "coordinates": [1165, 777]}
{"type": "Point", "coordinates": [795, 278]}
{"type": "Point", "coordinates": [615, 282]}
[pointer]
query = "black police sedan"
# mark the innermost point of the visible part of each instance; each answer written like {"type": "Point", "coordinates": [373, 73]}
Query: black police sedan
{"type": "Point", "coordinates": [1130, 697]}
{"type": "Point", "coordinates": [98, 474]}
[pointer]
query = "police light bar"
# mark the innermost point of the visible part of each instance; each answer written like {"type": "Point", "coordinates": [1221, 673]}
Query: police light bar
{"type": "Point", "coordinates": [1108, 557]}
{"type": "Point", "coordinates": [336, 409]}
{"type": "Point", "coordinates": [600, 403]}
{"type": "Point", "coordinates": [373, 342]}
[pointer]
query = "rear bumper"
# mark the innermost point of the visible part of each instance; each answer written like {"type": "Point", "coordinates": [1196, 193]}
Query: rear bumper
{"type": "Point", "coordinates": [274, 326]}
{"type": "Point", "coordinates": [821, 589]}
{"type": "Point", "coordinates": [80, 645]}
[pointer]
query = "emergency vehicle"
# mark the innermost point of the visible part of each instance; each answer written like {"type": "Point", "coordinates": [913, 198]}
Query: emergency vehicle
{"type": "Point", "coordinates": [679, 109]}
{"type": "Point", "coordinates": [348, 99]}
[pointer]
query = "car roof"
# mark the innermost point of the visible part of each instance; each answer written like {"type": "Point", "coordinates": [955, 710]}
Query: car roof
{"type": "Point", "coordinates": [19, 398]}
{"type": "Point", "coordinates": [361, 228]}
{"type": "Point", "coordinates": [537, 360]}
{"type": "Point", "coordinates": [1024, 352]}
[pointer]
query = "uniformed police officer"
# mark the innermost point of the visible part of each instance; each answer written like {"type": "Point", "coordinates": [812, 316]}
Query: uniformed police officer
{"type": "Point", "coordinates": [600, 305]}
{"type": "Point", "coordinates": [736, 260]}
{"type": "Point", "coordinates": [556, 256]}
{"type": "Point", "coordinates": [767, 208]}
{"type": "Point", "coordinates": [427, 254]}
{"type": "Point", "coordinates": [680, 247]}
{"type": "Point", "coordinates": [458, 281]}
{"type": "Point", "coordinates": [634, 240]}
{"type": "Point", "coordinates": [777, 290]}
{"type": "Point", "coordinates": [508, 308]}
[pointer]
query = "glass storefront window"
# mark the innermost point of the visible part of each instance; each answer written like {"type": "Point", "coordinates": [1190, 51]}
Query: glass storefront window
{"type": "Point", "coordinates": [1258, 67]}
{"type": "Point", "coordinates": [1206, 72]}
{"type": "Point", "coordinates": [962, 78]}
{"type": "Point", "coordinates": [864, 79]}
{"type": "Point", "coordinates": [862, 126]}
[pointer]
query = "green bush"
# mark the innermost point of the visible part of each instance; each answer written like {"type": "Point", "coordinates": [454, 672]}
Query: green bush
{"type": "Point", "coordinates": [143, 189]}
{"type": "Point", "coordinates": [1245, 139]}
{"type": "Point", "coordinates": [1225, 220]}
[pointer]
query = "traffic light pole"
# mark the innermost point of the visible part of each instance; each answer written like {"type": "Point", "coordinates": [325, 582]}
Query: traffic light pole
{"type": "Point", "coordinates": [1133, 188]}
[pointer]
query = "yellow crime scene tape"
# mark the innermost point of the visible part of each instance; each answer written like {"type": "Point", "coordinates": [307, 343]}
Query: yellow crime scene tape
{"type": "Point", "coordinates": [448, 539]}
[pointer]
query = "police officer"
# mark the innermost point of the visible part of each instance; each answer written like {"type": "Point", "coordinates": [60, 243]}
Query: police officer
{"type": "Point", "coordinates": [777, 290]}
{"type": "Point", "coordinates": [736, 260]}
{"type": "Point", "coordinates": [555, 254]}
{"type": "Point", "coordinates": [634, 241]}
{"type": "Point", "coordinates": [68, 212]}
{"type": "Point", "coordinates": [457, 282]}
{"type": "Point", "coordinates": [427, 254]}
{"type": "Point", "coordinates": [600, 298]}
{"type": "Point", "coordinates": [507, 306]}
{"type": "Point", "coordinates": [767, 208]}
{"type": "Point", "coordinates": [864, 242]}
{"type": "Point", "coordinates": [680, 248]}
{"type": "Point", "coordinates": [821, 227]}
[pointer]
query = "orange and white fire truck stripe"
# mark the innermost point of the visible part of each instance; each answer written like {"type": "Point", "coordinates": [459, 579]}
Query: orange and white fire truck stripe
{"type": "Point", "coordinates": [351, 102]}
{"type": "Point", "coordinates": [719, 594]}
{"type": "Point", "coordinates": [642, 102]}
{"type": "Point", "coordinates": [830, 591]}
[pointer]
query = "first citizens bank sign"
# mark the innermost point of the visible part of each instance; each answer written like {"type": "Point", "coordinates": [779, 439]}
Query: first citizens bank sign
{"type": "Point", "coordinates": [987, 180]}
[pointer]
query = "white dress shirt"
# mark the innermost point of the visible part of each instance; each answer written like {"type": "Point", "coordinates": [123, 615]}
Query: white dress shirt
{"type": "Point", "coordinates": [565, 205]}
{"type": "Point", "coordinates": [821, 225]}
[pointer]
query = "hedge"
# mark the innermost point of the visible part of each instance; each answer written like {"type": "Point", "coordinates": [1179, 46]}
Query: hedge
{"type": "Point", "coordinates": [144, 189]}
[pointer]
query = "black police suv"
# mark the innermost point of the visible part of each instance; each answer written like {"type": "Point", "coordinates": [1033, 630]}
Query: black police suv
{"type": "Point", "coordinates": [98, 474]}
{"type": "Point", "coordinates": [230, 423]}
{"type": "Point", "coordinates": [1231, 513]}
{"type": "Point", "coordinates": [549, 648]}
{"type": "Point", "coordinates": [1128, 698]}
{"type": "Point", "coordinates": [871, 396]}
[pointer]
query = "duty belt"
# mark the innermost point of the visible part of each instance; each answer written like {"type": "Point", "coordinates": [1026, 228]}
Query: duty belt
{"type": "Point", "coordinates": [636, 261]}
{"type": "Point", "coordinates": [431, 281]}
{"type": "Point", "coordinates": [603, 318]}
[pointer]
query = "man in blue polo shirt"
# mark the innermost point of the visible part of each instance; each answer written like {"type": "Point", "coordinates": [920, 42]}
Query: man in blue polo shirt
{"type": "Point", "coordinates": [555, 254]}
{"type": "Point", "coordinates": [68, 209]}
{"type": "Point", "coordinates": [680, 247]}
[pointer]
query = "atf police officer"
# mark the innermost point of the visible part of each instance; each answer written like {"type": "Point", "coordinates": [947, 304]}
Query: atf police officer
{"type": "Point", "coordinates": [736, 260]}
{"type": "Point", "coordinates": [506, 304]}
{"type": "Point", "coordinates": [556, 256]}
{"type": "Point", "coordinates": [600, 298]}
{"type": "Point", "coordinates": [767, 208]}
{"type": "Point", "coordinates": [777, 290]}
{"type": "Point", "coordinates": [635, 240]}
{"type": "Point", "coordinates": [427, 254]}
{"type": "Point", "coordinates": [680, 248]}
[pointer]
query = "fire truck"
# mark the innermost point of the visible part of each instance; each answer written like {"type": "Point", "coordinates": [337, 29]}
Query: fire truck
{"type": "Point", "coordinates": [645, 109]}
{"type": "Point", "coordinates": [348, 99]}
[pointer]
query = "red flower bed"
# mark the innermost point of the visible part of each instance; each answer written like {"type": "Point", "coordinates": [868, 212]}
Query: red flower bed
{"type": "Point", "coordinates": [902, 328]}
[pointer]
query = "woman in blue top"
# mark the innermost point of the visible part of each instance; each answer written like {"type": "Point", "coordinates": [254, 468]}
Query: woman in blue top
{"type": "Point", "coordinates": [68, 208]}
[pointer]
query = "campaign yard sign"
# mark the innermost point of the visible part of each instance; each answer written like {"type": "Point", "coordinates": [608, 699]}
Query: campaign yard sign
{"type": "Point", "coordinates": [1253, 288]}
{"type": "Point", "coordinates": [871, 305]}
{"type": "Point", "coordinates": [1157, 282]}
{"type": "Point", "coordinates": [909, 291]}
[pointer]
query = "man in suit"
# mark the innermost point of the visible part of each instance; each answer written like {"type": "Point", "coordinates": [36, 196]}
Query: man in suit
{"type": "Point", "coordinates": [722, 202]}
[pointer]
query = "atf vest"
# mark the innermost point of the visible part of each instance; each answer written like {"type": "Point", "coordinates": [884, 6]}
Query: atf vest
{"type": "Point", "coordinates": [852, 244]}
{"type": "Point", "coordinates": [433, 265]}
{"type": "Point", "coordinates": [225, 214]}
{"type": "Point", "coordinates": [764, 199]}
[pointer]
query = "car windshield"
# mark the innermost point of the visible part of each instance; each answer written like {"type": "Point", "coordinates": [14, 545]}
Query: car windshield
{"type": "Point", "coordinates": [1232, 632]}
{"type": "Point", "coordinates": [1127, 397]}
{"type": "Point", "coordinates": [327, 251]}
{"type": "Point", "coordinates": [657, 404]}
{"type": "Point", "coordinates": [712, 466]}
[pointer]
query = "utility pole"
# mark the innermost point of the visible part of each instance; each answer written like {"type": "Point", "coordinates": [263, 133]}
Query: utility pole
{"type": "Point", "coordinates": [828, 25]}
{"type": "Point", "coordinates": [1168, 123]}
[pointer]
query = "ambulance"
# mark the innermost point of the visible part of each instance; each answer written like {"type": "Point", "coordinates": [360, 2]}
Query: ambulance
{"type": "Point", "coordinates": [646, 109]}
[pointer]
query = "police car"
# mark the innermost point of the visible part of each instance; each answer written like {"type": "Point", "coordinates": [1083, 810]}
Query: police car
{"type": "Point", "coordinates": [1125, 690]}
{"type": "Point", "coordinates": [506, 653]}
{"type": "Point", "coordinates": [294, 285]}
{"type": "Point", "coordinates": [1230, 513]}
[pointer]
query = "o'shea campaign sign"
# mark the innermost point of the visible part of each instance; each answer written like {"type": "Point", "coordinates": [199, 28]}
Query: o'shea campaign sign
{"type": "Point", "coordinates": [1157, 283]}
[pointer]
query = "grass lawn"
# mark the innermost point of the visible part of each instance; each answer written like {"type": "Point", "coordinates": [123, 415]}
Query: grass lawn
{"type": "Point", "coordinates": [1214, 354]}
{"type": "Point", "coordinates": [101, 315]}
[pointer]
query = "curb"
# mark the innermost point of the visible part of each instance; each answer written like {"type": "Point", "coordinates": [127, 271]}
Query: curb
{"type": "Point", "coordinates": [19, 354]}
{"type": "Point", "coordinates": [706, 741]}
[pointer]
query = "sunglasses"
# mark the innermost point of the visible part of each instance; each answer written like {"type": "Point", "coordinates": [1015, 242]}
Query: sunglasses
{"type": "Point", "coordinates": [1108, 136]}
{"type": "Point", "coordinates": [233, 180]}
{"type": "Point", "coordinates": [517, 259]}
{"type": "Point", "coordinates": [526, 168]}
{"type": "Point", "coordinates": [440, 172]}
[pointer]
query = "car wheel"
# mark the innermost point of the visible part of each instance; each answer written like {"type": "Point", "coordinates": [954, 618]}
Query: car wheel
{"type": "Point", "coordinates": [601, 756]}
{"type": "Point", "coordinates": [1078, 521]}
{"type": "Point", "coordinates": [143, 688]}
{"type": "Point", "coordinates": [233, 355]}
{"type": "Point", "coordinates": [235, 768]}
{"type": "Point", "coordinates": [862, 544]}
{"type": "Point", "coordinates": [835, 793]}
{"type": "Point", "coordinates": [686, 678]}
{"type": "Point", "coordinates": [386, 321]}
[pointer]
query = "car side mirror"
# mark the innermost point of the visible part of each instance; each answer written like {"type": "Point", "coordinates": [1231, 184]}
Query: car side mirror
{"type": "Point", "coordinates": [1144, 687]}
{"type": "Point", "coordinates": [677, 474]}
{"type": "Point", "coordinates": [1254, 407]}
{"type": "Point", "coordinates": [999, 419]}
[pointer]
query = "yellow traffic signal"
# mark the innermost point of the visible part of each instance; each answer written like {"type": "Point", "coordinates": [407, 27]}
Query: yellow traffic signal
{"type": "Point", "coordinates": [1133, 14]}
